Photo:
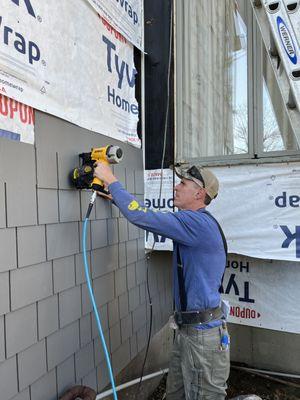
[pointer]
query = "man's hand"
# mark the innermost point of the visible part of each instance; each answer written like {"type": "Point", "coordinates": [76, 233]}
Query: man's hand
{"type": "Point", "coordinates": [104, 173]}
{"type": "Point", "coordinates": [105, 196]}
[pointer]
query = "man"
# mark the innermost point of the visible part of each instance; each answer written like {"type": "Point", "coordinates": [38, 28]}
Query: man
{"type": "Point", "coordinates": [199, 366]}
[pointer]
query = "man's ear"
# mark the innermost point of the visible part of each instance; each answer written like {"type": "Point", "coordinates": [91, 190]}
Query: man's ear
{"type": "Point", "coordinates": [198, 195]}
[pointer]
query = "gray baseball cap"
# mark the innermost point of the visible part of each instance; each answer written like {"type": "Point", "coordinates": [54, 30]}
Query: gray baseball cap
{"type": "Point", "coordinates": [201, 176]}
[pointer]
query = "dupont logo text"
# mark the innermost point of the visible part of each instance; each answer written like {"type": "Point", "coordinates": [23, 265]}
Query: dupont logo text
{"type": "Point", "coordinates": [286, 40]}
{"type": "Point", "coordinates": [27, 4]}
{"type": "Point", "coordinates": [244, 313]}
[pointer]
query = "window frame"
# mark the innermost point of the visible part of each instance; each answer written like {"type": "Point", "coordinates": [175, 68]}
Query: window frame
{"type": "Point", "coordinates": [255, 152]}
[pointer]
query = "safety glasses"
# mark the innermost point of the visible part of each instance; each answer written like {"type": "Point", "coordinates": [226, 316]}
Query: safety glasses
{"type": "Point", "coordinates": [193, 171]}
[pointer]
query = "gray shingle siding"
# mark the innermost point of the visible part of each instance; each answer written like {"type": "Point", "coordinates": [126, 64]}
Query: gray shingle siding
{"type": "Point", "coordinates": [48, 335]}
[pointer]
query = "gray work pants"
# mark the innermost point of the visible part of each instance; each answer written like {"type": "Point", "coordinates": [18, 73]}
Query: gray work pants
{"type": "Point", "coordinates": [199, 368]}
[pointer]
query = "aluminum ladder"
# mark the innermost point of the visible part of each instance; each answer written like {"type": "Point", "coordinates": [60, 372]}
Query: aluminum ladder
{"type": "Point", "coordinates": [279, 24]}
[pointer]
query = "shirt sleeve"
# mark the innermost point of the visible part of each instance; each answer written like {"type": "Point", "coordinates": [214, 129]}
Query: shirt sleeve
{"type": "Point", "coordinates": [167, 224]}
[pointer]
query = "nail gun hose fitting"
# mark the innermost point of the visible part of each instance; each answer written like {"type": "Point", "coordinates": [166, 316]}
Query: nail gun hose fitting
{"type": "Point", "coordinates": [89, 210]}
{"type": "Point", "coordinates": [89, 285]}
{"type": "Point", "coordinates": [90, 207]}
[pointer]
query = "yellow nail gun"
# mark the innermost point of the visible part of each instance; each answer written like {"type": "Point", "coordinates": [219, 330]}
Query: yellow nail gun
{"type": "Point", "coordinates": [82, 177]}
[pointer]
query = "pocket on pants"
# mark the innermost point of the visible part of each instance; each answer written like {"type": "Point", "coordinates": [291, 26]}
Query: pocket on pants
{"type": "Point", "coordinates": [196, 384]}
{"type": "Point", "coordinates": [220, 368]}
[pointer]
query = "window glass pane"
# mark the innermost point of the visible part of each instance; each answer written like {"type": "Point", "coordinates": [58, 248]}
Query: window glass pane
{"type": "Point", "coordinates": [211, 78]}
{"type": "Point", "coordinates": [277, 131]}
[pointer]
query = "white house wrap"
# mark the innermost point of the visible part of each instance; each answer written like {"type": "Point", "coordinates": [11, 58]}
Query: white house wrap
{"type": "Point", "coordinates": [62, 58]}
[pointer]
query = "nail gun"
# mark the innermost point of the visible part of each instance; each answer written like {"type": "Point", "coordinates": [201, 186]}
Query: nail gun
{"type": "Point", "coordinates": [82, 177]}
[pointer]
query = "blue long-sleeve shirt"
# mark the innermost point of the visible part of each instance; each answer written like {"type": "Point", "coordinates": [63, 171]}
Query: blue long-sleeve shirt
{"type": "Point", "coordinates": [200, 245]}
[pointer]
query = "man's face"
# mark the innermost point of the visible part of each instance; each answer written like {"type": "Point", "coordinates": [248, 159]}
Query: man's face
{"type": "Point", "coordinates": [186, 194]}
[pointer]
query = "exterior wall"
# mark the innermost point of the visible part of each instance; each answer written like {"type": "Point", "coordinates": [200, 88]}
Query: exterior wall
{"type": "Point", "coordinates": [157, 15]}
{"type": "Point", "coordinates": [157, 360]}
{"type": "Point", "coordinates": [160, 273]}
{"type": "Point", "coordinates": [48, 337]}
{"type": "Point", "coordinates": [265, 348]}
{"type": "Point", "coordinates": [255, 347]}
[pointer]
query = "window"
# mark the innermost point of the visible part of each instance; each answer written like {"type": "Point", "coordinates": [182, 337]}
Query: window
{"type": "Point", "coordinates": [227, 97]}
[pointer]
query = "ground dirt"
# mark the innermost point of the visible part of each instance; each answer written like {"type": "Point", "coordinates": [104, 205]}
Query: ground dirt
{"type": "Point", "coordinates": [245, 383]}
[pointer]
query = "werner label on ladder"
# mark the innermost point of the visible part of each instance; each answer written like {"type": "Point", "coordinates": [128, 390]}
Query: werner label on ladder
{"type": "Point", "coordinates": [279, 22]}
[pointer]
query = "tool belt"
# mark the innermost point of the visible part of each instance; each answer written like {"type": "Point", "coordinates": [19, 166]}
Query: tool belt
{"type": "Point", "coordinates": [197, 317]}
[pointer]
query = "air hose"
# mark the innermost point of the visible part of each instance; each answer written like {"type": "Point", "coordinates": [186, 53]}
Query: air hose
{"type": "Point", "coordinates": [92, 297]}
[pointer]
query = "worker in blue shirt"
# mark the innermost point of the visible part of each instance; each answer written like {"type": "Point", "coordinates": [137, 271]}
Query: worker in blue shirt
{"type": "Point", "coordinates": [199, 365]}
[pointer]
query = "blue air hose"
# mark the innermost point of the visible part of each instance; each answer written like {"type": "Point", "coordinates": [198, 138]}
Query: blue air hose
{"type": "Point", "coordinates": [88, 279]}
